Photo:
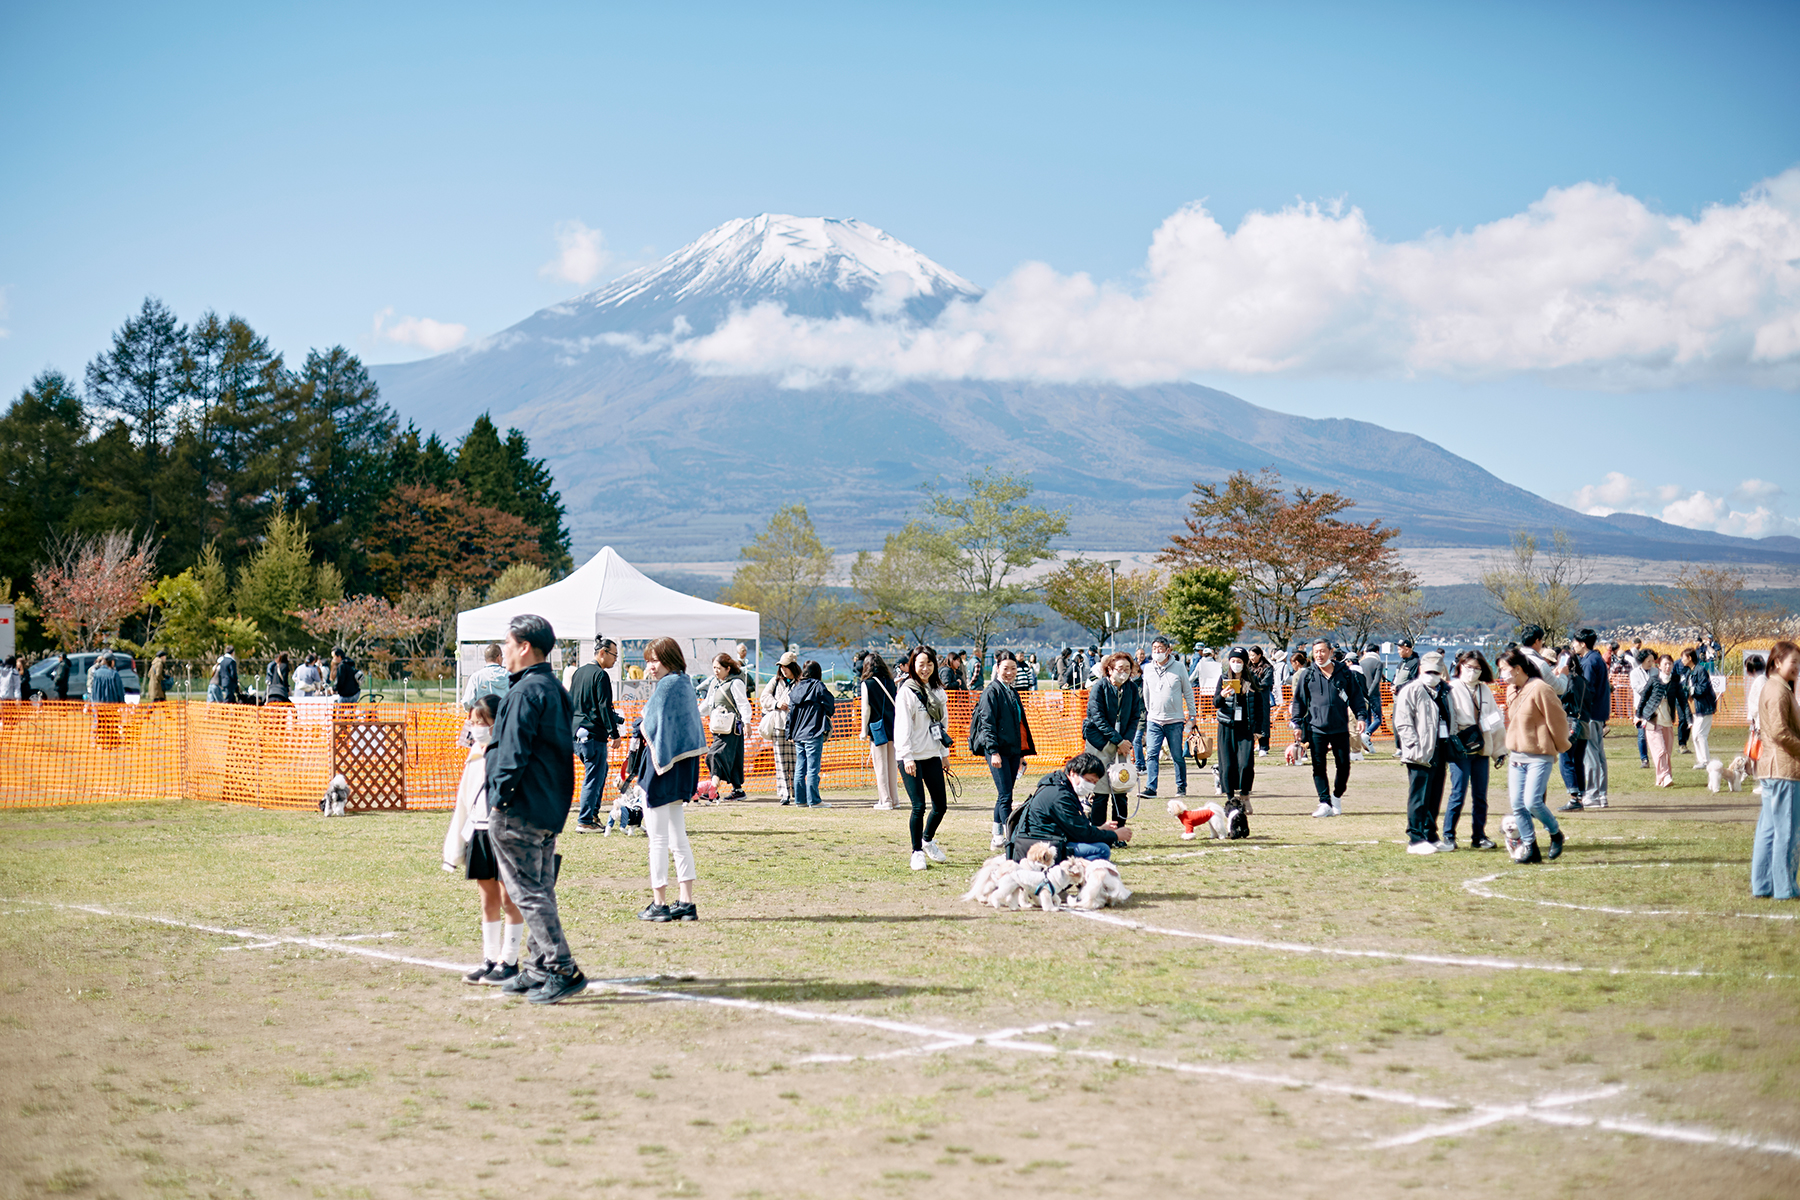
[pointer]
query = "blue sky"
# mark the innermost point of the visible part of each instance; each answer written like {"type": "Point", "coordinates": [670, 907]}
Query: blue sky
{"type": "Point", "coordinates": [322, 168]}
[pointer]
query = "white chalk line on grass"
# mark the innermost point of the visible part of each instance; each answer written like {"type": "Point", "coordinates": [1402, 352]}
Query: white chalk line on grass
{"type": "Point", "coordinates": [1478, 887]}
{"type": "Point", "coordinates": [1149, 858]}
{"type": "Point", "coordinates": [941, 1040]}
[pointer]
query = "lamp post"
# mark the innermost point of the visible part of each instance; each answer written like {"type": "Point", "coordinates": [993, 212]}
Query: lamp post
{"type": "Point", "coordinates": [1112, 593]}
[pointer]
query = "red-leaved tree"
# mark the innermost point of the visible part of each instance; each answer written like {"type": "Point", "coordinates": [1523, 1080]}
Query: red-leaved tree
{"type": "Point", "coordinates": [91, 584]}
{"type": "Point", "coordinates": [358, 623]}
{"type": "Point", "coordinates": [424, 534]}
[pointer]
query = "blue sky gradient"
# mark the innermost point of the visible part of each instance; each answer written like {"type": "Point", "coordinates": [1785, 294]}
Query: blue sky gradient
{"type": "Point", "coordinates": [309, 167]}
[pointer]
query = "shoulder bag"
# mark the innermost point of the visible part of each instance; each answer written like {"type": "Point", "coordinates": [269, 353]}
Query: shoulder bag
{"type": "Point", "coordinates": [879, 732]}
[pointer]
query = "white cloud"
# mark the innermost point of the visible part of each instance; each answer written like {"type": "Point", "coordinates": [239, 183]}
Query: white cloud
{"type": "Point", "coordinates": [422, 332]}
{"type": "Point", "coordinates": [1751, 509]}
{"type": "Point", "coordinates": [1588, 285]}
{"type": "Point", "coordinates": [580, 254]}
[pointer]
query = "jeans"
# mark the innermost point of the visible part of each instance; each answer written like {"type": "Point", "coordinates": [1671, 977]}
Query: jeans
{"type": "Point", "coordinates": [1137, 748]}
{"type": "Point", "coordinates": [592, 754]}
{"type": "Point", "coordinates": [1425, 797]}
{"type": "Point", "coordinates": [1468, 776]}
{"type": "Point", "coordinates": [1527, 777]}
{"type": "Point", "coordinates": [927, 776]}
{"type": "Point", "coordinates": [526, 856]}
{"type": "Point", "coordinates": [1775, 854]}
{"type": "Point", "coordinates": [1594, 762]}
{"type": "Point", "coordinates": [806, 770]}
{"type": "Point", "coordinates": [1005, 776]}
{"type": "Point", "coordinates": [1339, 745]}
{"type": "Point", "coordinates": [1571, 763]}
{"type": "Point", "coordinates": [1154, 739]}
{"type": "Point", "coordinates": [1088, 850]}
{"type": "Point", "coordinates": [666, 825]}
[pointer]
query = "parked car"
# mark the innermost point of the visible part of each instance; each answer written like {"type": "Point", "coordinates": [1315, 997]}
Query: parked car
{"type": "Point", "coordinates": [43, 675]}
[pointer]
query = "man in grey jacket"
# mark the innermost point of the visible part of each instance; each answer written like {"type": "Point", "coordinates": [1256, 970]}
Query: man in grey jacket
{"type": "Point", "coordinates": [1168, 708]}
{"type": "Point", "coordinates": [530, 777]}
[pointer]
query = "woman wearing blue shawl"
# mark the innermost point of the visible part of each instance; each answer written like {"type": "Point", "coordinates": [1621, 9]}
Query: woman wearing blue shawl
{"type": "Point", "coordinates": [668, 742]}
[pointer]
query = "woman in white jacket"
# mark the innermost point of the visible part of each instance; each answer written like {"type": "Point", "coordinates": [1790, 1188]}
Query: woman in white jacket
{"type": "Point", "coordinates": [726, 710]}
{"type": "Point", "coordinates": [774, 701]}
{"type": "Point", "coordinates": [919, 702]}
{"type": "Point", "coordinates": [466, 846]}
{"type": "Point", "coordinates": [1472, 704]}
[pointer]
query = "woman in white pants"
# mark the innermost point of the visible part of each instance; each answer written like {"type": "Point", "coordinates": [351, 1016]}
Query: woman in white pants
{"type": "Point", "coordinates": [667, 743]}
{"type": "Point", "coordinates": [878, 725]}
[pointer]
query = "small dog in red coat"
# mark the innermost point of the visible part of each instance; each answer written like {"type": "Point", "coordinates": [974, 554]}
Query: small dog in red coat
{"type": "Point", "coordinates": [1211, 818]}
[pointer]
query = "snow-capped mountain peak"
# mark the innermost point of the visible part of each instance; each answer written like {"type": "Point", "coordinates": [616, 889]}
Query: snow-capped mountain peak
{"type": "Point", "coordinates": [815, 266]}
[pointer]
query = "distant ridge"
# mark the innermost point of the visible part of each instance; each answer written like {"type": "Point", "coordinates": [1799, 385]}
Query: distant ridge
{"type": "Point", "coordinates": [667, 464]}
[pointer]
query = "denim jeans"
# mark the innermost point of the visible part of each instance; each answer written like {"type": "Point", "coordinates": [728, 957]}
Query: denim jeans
{"type": "Point", "coordinates": [592, 754]}
{"type": "Point", "coordinates": [1089, 850]}
{"type": "Point", "coordinates": [1775, 852]}
{"type": "Point", "coordinates": [1154, 740]}
{"type": "Point", "coordinates": [1005, 776]}
{"type": "Point", "coordinates": [806, 770]}
{"type": "Point", "coordinates": [1594, 762]}
{"type": "Point", "coordinates": [1571, 764]}
{"type": "Point", "coordinates": [1468, 776]}
{"type": "Point", "coordinates": [1527, 776]}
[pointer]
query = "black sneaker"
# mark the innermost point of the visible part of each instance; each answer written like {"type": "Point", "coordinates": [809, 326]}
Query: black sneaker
{"type": "Point", "coordinates": [737, 794]}
{"type": "Point", "coordinates": [1573, 806]}
{"type": "Point", "coordinates": [1556, 843]}
{"type": "Point", "coordinates": [683, 912]}
{"type": "Point", "coordinates": [525, 981]}
{"type": "Point", "coordinates": [479, 974]}
{"type": "Point", "coordinates": [1532, 854]}
{"type": "Point", "coordinates": [1482, 843]}
{"type": "Point", "coordinates": [1147, 794]}
{"type": "Point", "coordinates": [502, 972]}
{"type": "Point", "coordinates": [655, 912]}
{"type": "Point", "coordinates": [558, 988]}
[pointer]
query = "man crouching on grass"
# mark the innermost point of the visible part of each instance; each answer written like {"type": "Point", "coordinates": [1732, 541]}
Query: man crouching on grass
{"type": "Point", "coordinates": [530, 777]}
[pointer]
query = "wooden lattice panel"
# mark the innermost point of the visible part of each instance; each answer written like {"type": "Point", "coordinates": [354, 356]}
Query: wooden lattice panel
{"type": "Point", "coordinates": [371, 756]}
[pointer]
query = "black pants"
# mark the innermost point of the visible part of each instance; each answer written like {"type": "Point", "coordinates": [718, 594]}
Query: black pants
{"type": "Point", "coordinates": [725, 758]}
{"type": "Point", "coordinates": [1339, 745]}
{"type": "Point", "coordinates": [1005, 776]}
{"type": "Point", "coordinates": [1425, 797]}
{"type": "Point", "coordinates": [930, 778]}
{"type": "Point", "coordinates": [1237, 760]}
{"type": "Point", "coordinates": [1098, 808]}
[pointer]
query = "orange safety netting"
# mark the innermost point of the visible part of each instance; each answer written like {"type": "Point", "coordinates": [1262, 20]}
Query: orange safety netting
{"type": "Point", "coordinates": [279, 756]}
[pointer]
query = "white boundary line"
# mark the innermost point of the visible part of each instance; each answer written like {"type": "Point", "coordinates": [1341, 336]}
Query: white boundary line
{"type": "Point", "coordinates": [1475, 887]}
{"type": "Point", "coordinates": [940, 1040]}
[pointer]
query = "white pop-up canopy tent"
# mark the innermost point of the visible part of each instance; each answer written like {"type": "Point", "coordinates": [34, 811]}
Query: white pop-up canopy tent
{"type": "Point", "coordinates": [608, 597]}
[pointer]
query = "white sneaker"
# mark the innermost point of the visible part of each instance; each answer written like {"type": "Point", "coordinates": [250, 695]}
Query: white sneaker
{"type": "Point", "coordinates": [1324, 810]}
{"type": "Point", "coordinates": [935, 852]}
{"type": "Point", "coordinates": [1262, 753]}
{"type": "Point", "coordinates": [1422, 848]}
{"type": "Point", "coordinates": [1446, 847]}
{"type": "Point", "coordinates": [918, 860]}
{"type": "Point", "coordinates": [1337, 810]}
{"type": "Point", "coordinates": [1356, 756]}
{"type": "Point", "coordinates": [997, 842]}
{"type": "Point", "coordinates": [884, 804]}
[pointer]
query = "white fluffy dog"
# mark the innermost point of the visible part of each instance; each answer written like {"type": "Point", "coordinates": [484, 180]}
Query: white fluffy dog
{"type": "Point", "coordinates": [1715, 775]}
{"type": "Point", "coordinates": [1209, 817]}
{"type": "Point", "coordinates": [337, 795]}
{"type": "Point", "coordinates": [988, 877]}
{"type": "Point", "coordinates": [1102, 886]}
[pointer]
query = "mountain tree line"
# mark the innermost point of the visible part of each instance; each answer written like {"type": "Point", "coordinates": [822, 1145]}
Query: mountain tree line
{"type": "Point", "coordinates": [258, 483]}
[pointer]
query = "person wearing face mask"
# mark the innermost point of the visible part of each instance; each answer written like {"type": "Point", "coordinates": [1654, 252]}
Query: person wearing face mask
{"type": "Point", "coordinates": [1055, 814]}
{"type": "Point", "coordinates": [1168, 709]}
{"type": "Point", "coordinates": [1242, 710]}
{"type": "Point", "coordinates": [1329, 705]}
{"type": "Point", "coordinates": [1480, 729]}
{"type": "Point", "coordinates": [1659, 709]}
{"type": "Point", "coordinates": [467, 848]}
{"type": "Point", "coordinates": [1114, 709]}
{"type": "Point", "coordinates": [1424, 724]}
{"type": "Point", "coordinates": [1537, 730]}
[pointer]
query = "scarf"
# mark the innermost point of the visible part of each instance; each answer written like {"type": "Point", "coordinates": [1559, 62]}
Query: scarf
{"type": "Point", "coordinates": [671, 723]}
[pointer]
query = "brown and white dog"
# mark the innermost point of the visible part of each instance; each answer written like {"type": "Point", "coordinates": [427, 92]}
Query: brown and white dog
{"type": "Point", "coordinates": [1101, 887]}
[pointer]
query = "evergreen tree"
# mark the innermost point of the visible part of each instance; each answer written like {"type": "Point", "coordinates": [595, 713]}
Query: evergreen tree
{"type": "Point", "coordinates": [44, 462]}
{"type": "Point", "coordinates": [248, 435]}
{"type": "Point", "coordinates": [350, 461]}
{"type": "Point", "coordinates": [423, 464]}
{"type": "Point", "coordinates": [503, 475]}
{"type": "Point", "coordinates": [139, 380]}
{"type": "Point", "coordinates": [280, 579]}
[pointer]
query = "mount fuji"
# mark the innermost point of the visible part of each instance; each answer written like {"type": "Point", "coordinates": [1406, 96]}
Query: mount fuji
{"type": "Point", "coordinates": [665, 463]}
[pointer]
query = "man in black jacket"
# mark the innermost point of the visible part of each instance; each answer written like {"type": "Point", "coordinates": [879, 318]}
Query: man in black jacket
{"type": "Point", "coordinates": [530, 775]}
{"type": "Point", "coordinates": [999, 732]}
{"type": "Point", "coordinates": [597, 724]}
{"type": "Point", "coordinates": [59, 678]}
{"type": "Point", "coordinates": [343, 678]}
{"type": "Point", "coordinates": [1055, 814]}
{"type": "Point", "coordinates": [1328, 701]}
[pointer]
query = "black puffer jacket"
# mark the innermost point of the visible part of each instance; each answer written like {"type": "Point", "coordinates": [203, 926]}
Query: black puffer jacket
{"type": "Point", "coordinates": [1113, 713]}
{"type": "Point", "coordinates": [999, 724]}
{"type": "Point", "coordinates": [1054, 814]}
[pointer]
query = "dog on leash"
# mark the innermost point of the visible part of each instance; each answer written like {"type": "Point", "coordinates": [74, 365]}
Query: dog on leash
{"type": "Point", "coordinates": [337, 795]}
{"type": "Point", "coordinates": [1210, 818]}
{"type": "Point", "coordinates": [988, 876]}
{"type": "Point", "coordinates": [1737, 773]}
{"type": "Point", "coordinates": [1015, 888]}
{"type": "Point", "coordinates": [1101, 886]}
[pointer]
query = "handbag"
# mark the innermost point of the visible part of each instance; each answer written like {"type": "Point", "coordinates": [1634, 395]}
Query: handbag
{"type": "Point", "coordinates": [721, 720]}
{"type": "Point", "coordinates": [879, 732]}
{"type": "Point", "coordinates": [1471, 739]}
{"type": "Point", "coordinates": [1753, 748]}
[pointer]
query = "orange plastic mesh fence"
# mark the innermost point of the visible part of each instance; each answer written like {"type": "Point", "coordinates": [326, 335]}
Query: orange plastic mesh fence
{"type": "Point", "coordinates": [281, 756]}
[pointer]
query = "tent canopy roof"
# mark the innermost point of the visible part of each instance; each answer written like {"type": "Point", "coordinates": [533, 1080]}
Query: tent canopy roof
{"type": "Point", "coordinates": [608, 597]}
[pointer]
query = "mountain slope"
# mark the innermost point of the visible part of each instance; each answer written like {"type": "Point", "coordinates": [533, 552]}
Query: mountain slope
{"type": "Point", "coordinates": [664, 463]}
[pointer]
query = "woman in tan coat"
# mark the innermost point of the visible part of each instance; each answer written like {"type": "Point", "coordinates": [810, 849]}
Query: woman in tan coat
{"type": "Point", "coordinates": [1537, 730]}
{"type": "Point", "coordinates": [1775, 854]}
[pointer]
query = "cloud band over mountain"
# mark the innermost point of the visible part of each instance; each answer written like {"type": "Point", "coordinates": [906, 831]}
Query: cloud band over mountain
{"type": "Point", "coordinates": [1588, 285]}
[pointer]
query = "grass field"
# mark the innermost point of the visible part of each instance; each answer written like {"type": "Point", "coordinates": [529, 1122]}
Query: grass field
{"type": "Point", "coordinates": [837, 1025]}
